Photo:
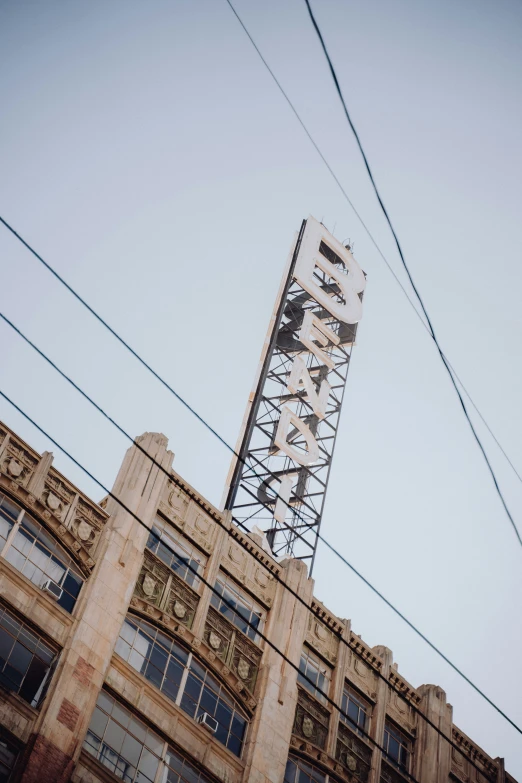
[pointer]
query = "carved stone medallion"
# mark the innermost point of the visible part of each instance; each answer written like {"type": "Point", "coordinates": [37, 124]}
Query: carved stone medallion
{"type": "Point", "coordinates": [243, 668]}
{"type": "Point", "coordinates": [14, 467]}
{"type": "Point", "coordinates": [53, 501]}
{"type": "Point", "coordinates": [84, 530]}
{"type": "Point", "coordinates": [214, 640]}
{"type": "Point", "coordinates": [148, 585]}
{"type": "Point", "coordinates": [179, 610]}
{"type": "Point", "coordinates": [351, 763]}
{"type": "Point", "coordinates": [308, 726]}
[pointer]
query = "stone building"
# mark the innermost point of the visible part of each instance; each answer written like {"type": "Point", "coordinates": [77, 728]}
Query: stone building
{"type": "Point", "coordinates": [148, 658]}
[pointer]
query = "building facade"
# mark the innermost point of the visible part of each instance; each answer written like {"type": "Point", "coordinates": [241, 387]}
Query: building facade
{"type": "Point", "coordinates": [190, 653]}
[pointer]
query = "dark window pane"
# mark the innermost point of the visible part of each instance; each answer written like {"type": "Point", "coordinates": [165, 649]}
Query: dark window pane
{"type": "Point", "coordinates": [20, 658]}
{"type": "Point", "coordinates": [33, 679]}
{"type": "Point", "coordinates": [72, 584]}
{"type": "Point", "coordinates": [234, 744]}
{"type": "Point", "coordinates": [224, 715]}
{"type": "Point", "coordinates": [154, 675]}
{"type": "Point", "coordinates": [238, 726]}
{"type": "Point", "coordinates": [208, 701]}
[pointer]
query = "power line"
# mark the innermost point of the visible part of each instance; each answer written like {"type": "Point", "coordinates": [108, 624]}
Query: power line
{"type": "Point", "coordinates": [228, 531]}
{"type": "Point", "coordinates": [276, 496]}
{"type": "Point", "coordinates": [428, 326]}
{"type": "Point", "coordinates": [199, 576]}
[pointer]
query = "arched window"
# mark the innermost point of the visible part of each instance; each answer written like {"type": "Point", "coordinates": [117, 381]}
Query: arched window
{"type": "Point", "coordinates": [189, 684]}
{"type": "Point", "coordinates": [31, 550]}
{"type": "Point", "coordinates": [133, 752]}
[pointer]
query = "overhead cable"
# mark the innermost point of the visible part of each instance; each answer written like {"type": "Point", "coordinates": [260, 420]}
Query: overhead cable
{"type": "Point", "coordinates": [427, 325]}
{"type": "Point", "coordinates": [199, 576]}
{"type": "Point", "coordinates": [229, 532]}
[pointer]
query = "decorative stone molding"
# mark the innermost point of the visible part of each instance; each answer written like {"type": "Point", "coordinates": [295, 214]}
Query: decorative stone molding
{"type": "Point", "coordinates": [18, 462]}
{"type": "Point", "coordinates": [75, 549]}
{"type": "Point", "coordinates": [391, 775]}
{"type": "Point", "coordinates": [322, 638]}
{"type": "Point", "coordinates": [239, 563]}
{"type": "Point", "coordinates": [332, 767]}
{"type": "Point", "coordinates": [407, 690]}
{"type": "Point", "coordinates": [353, 753]}
{"type": "Point", "coordinates": [364, 652]}
{"type": "Point", "coordinates": [459, 764]}
{"type": "Point", "coordinates": [161, 588]}
{"type": "Point", "coordinates": [311, 720]}
{"type": "Point", "coordinates": [56, 495]}
{"type": "Point", "coordinates": [233, 648]}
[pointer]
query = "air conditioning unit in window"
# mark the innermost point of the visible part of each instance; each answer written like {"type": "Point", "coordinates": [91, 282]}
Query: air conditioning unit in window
{"type": "Point", "coordinates": [54, 590]}
{"type": "Point", "coordinates": [209, 723]}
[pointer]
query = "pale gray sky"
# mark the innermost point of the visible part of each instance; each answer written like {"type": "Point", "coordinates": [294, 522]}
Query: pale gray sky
{"type": "Point", "coordinates": [146, 153]}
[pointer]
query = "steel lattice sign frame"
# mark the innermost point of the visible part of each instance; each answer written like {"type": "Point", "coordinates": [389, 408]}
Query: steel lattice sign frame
{"type": "Point", "coordinates": [288, 436]}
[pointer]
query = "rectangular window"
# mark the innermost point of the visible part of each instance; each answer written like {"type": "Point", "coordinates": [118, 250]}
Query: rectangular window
{"type": "Point", "coordinates": [133, 752]}
{"type": "Point", "coordinates": [235, 604]}
{"type": "Point", "coordinates": [25, 659]}
{"type": "Point", "coordinates": [311, 668]}
{"type": "Point", "coordinates": [177, 552]}
{"type": "Point", "coordinates": [357, 710]}
{"type": "Point", "coordinates": [8, 756]}
{"type": "Point", "coordinates": [397, 746]}
{"type": "Point", "coordinates": [35, 554]}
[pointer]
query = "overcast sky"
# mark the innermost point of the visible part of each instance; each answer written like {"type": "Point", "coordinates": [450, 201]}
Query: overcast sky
{"type": "Point", "coordinates": [146, 153]}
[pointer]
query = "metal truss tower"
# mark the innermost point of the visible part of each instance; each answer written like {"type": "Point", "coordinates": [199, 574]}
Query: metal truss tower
{"type": "Point", "coordinates": [289, 431]}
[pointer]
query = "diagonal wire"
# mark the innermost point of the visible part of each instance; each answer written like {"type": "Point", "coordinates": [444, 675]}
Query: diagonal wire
{"type": "Point", "coordinates": [427, 324]}
{"type": "Point", "coordinates": [299, 598]}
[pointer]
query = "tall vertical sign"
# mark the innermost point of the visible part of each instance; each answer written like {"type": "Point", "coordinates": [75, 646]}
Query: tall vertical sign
{"type": "Point", "coordinates": [287, 441]}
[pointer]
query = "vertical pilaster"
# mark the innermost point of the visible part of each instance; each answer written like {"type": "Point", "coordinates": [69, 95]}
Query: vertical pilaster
{"type": "Point", "coordinates": [211, 572]}
{"type": "Point", "coordinates": [337, 687]}
{"type": "Point", "coordinates": [432, 752]}
{"type": "Point", "coordinates": [379, 713]}
{"type": "Point", "coordinates": [100, 612]}
{"type": "Point", "coordinates": [271, 730]}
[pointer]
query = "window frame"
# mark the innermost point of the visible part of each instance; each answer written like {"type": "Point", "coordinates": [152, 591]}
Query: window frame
{"type": "Point", "coordinates": [39, 542]}
{"type": "Point", "coordinates": [322, 668]}
{"type": "Point", "coordinates": [240, 596]}
{"type": "Point", "coordinates": [192, 671]}
{"type": "Point", "coordinates": [26, 637]}
{"type": "Point", "coordinates": [404, 740]}
{"type": "Point", "coordinates": [157, 748]}
{"type": "Point", "coordinates": [364, 705]}
{"type": "Point", "coordinates": [182, 547]}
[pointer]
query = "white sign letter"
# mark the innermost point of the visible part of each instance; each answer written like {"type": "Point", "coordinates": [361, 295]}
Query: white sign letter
{"type": "Point", "coordinates": [350, 285]}
{"type": "Point", "coordinates": [314, 329]}
{"type": "Point", "coordinates": [288, 418]}
{"type": "Point", "coordinates": [301, 377]}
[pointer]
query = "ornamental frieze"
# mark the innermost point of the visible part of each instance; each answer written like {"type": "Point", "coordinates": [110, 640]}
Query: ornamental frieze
{"type": "Point", "coordinates": [232, 647]}
{"type": "Point", "coordinates": [311, 720]}
{"type": "Point", "coordinates": [163, 589]}
{"type": "Point", "coordinates": [17, 462]}
{"type": "Point", "coordinates": [353, 753]}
